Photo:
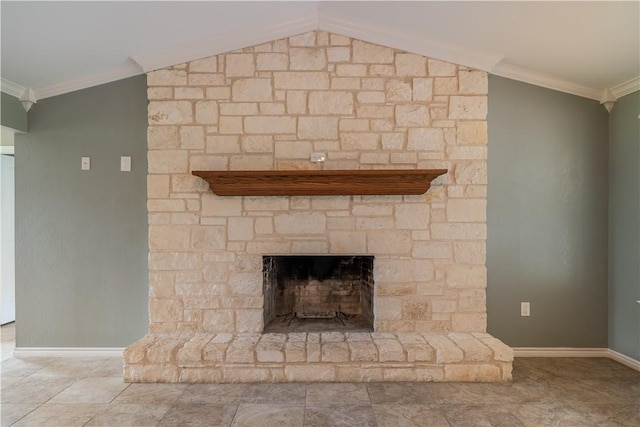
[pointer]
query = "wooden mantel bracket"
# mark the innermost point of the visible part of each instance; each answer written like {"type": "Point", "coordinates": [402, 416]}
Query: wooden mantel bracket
{"type": "Point", "coordinates": [320, 182]}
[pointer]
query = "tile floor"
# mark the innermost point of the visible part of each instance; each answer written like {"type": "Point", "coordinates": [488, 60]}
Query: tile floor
{"type": "Point", "coordinates": [90, 392]}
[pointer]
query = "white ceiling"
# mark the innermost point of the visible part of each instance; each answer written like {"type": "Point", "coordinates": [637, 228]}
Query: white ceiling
{"type": "Point", "coordinates": [577, 47]}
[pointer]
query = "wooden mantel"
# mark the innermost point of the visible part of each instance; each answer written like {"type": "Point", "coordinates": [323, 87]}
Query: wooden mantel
{"type": "Point", "coordinates": [320, 182]}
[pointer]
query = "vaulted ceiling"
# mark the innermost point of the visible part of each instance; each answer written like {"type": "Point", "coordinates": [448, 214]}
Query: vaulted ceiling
{"type": "Point", "coordinates": [582, 48]}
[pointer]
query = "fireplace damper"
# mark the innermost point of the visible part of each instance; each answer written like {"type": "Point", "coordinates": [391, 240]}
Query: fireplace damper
{"type": "Point", "coordinates": [318, 293]}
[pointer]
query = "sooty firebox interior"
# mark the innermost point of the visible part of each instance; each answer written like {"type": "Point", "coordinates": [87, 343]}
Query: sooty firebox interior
{"type": "Point", "coordinates": [318, 293]}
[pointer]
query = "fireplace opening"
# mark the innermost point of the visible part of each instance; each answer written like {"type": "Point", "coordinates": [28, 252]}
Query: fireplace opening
{"type": "Point", "coordinates": [318, 293]}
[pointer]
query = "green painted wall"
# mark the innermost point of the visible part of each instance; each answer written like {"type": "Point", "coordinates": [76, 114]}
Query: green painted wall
{"type": "Point", "coordinates": [12, 114]}
{"type": "Point", "coordinates": [81, 236]}
{"type": "Point", "coordinates": [547, 217]}
{"type": "Point", "coordinates": [624, 226]}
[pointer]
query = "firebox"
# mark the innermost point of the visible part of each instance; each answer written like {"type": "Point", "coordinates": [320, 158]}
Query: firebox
{"type": "Point", "coordinates": [318, 293]}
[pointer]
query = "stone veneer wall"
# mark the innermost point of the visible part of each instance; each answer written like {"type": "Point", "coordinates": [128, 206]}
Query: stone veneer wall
{"type": "Point", "coordinates": [269, 107]}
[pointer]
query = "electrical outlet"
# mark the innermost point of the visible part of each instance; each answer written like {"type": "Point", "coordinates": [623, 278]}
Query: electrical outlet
{"type": "Point", "coordinates": [85, 164]}
{"type": "Point", "coordinates": [525, 309]}
{"type": "Point", "coordinates": [318, 157]}
{"type": "Point", "coordinates": [125, 163]}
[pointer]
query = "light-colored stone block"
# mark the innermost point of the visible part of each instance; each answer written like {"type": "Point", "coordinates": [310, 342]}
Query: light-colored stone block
{"type": "Point", "coordinates": [205, 65]}
{"type": "Point", "coordinates": [364, 52]}
{"type": "Point", "coordinates": [170, 112]}
{"type": "Point", "coordinates": [238, 109]}
{"type": "Point", "coordinates": [338, 54]}
{"type": "Point", "coordinates": [363, 351]}
{"type": "Point", "coordinates": [317, 128]}
{"type": "Point", "coordinates": [389, 242]}
{"type": "Point", "coordinates": [270, 352]}
{"type": "Point", "coordinates": [167, 78]}
{"type": "Point", "coordinates": [344, 242]}
{"type": "Point", "coordinates": [403, 270]}
{"type": "Point", "coordinates": [301, 80]}
{"type": "Point", "coordinates": [293, 149]}
{"type": "Point", "coordinates": [472, 373]}
{"type": "Point", "coordinates": [467, 210]}
{"type": "Point", "coordinates": [469, 322]}
{"type": "Point", "coordinates": [272, 61]}
{"type": "Point", "coordinates": [208, 237]}
{"type": "Point", "coordinates": [333, 102]}
{"type": "Point", "coordinates": [334, 352]}
{"type": "Point", "coordinates": [305, 39]}
{"type": "Point", "coordinates": [207, 112]}
{"type": "Point", "coordinates": [473, 82]}
{"type": "Point", "coordinates": [432, 250]}
{"type": "Point", "coordinates": [412, 216]}
{"type": "Point", "coordinates": [310, 373]}
{"type": "Point", "coordinates": [468, 107]}
{"type": "Point", "coordinates": [398, 90]}
{"type": "Point", "coordinates": [244, 90]}
{"type": "Point", "coordinates": [441, 68]}
{"type": "Point", "coordinates": [307, 58]}
{"type": "Point", "coordinates": [412, 115]}
{"type": "Point", "coordinates": [422, 89]}
{"type": "Point", "coordinates": [240, 228]}
{"type": "Point", "coordinates": [409, 64]}
{"type": "Point", "coordinates": [223, 144]}
{"type": "Point", "coordinates": [167, 161]}
{"type": "Point", "coordinates": [359, 141]}
{"type": "Point", "coordinates": [300, 223]}
{"type": "Point", "coordinates": [390, 350]}
{"type": "Point", "coordinates": [239, 65]}
{"type": "Point", "coordinates": [269, 125]}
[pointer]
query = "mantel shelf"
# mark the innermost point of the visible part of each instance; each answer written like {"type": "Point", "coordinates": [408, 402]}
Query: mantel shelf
{"type": "Point", "coordinates": [320, 182]}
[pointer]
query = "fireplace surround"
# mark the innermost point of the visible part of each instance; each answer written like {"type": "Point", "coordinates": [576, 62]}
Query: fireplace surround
{"type": "Point", "coordinates": [364, 107]}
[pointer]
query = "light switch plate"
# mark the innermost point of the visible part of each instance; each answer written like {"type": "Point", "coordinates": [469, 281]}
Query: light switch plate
{"type": "Point", "coordinates": [525, 309]}
{"type": "Point", "coordinates": [85, 164]}
{"type": "Point", "coordinates": [125, 163]}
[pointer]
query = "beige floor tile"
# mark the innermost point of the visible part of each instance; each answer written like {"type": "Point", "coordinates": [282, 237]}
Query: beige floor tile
{"type": "Point", "coordinates": [91, 390]}
{"type": "Point", "coordinates": [67, 415]}
{"type": "Point", "coordinates": [290, 394]}
{"type": "Point", "coordinates": [219, 394]}
{"type": "Point", "coordinates": [129, 414]}
{"type": "Point", "coordinates": [112, 367]}
{"type": "Point", "coordinates": [70, 367]}
{"type": "Point", "coordinates": [337, 394]}
{"type": "Point", "coordinates": [12, 412]}
{"type": "Point", "coordinates": [198, 414]}
{"type": "Point", "coordinates": [257, 415]}
{"type": "Point", "coordinates": [339, 416]}
{"type": "Point", "coordinates": [394, 415]}
{"type": "Point", "coordinates": [159, 394]}
{"type": "Point", "coordinates": [34, 390]}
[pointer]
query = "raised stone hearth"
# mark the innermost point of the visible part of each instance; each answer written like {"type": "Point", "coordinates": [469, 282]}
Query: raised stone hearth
{"type": "Point", "coordinates": [363, 107]}
{"type": "Point", "coordinates": [322, 357]}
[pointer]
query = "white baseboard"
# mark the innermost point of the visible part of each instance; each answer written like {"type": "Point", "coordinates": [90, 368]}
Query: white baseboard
{"type": "Point", "coordinates": [624, 360]}
{"type": "Point", "coordinates": [21, 352]}
{"type": "Point", "coordinates": [576, 352]}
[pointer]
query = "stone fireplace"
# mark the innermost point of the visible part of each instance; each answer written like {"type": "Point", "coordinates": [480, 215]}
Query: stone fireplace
{"type": "Point", "coordinates": [361, 106]}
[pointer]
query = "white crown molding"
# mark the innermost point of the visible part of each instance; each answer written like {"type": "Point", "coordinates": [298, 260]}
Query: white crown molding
{"type": "Point", "coordinates": [545, 80]}
{"type": "Point", "coordinates": [626, 88]}
{"type": "Point", "coordinates": [226, 42]}
{"type": "Point", "coordinates": [11, 88]}
{"type": "Point", "coordinates": [577, 352]}
{"type": "Point", "coordinates": [410, 42]}
{"type": "Point", "coordinates": [20, 352]}
{"type": "Point", "coordinates": [122, 72]}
